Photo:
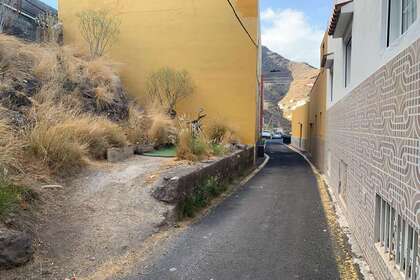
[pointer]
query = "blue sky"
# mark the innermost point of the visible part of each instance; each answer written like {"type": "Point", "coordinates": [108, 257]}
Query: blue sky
{"type": "Point", "coordinates": [317, 11]}
{"type": "Point", "coordinates": [292, 28]}
{"type": "Point", "coordinates": [52, 3]}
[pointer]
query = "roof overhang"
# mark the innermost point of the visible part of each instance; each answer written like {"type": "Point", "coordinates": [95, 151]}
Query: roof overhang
{"type": "Point", "coordinates": [342, 16]}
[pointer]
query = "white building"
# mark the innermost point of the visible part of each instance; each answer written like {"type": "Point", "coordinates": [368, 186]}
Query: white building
{"type": "Point", "coordinates": [373, 128]}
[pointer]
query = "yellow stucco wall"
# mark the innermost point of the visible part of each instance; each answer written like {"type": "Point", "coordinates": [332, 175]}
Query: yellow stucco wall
{"type": "Point", "coordinates": [318, 105]}
{"type": "Point", "coordinates": [202, 37]}
{"type": "Point", "coordinates": [300, 126]}
{"type": "Point", "coordinates": [317, 113]}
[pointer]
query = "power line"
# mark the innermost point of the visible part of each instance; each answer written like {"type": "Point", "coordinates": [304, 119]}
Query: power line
{"type": "Point", "coordinates": [242, 24]}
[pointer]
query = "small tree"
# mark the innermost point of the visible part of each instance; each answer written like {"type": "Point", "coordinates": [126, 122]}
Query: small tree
{"type": "Point", "coordinates": [168, 86]}
{"type": "Point", "coordinates": [8, 13]}
{"type": "Point", "coordinates": [100, 30]}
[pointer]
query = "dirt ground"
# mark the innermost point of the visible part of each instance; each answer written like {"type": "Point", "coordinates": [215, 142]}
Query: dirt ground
{"type": "Point", "coordinates": [104, 214]}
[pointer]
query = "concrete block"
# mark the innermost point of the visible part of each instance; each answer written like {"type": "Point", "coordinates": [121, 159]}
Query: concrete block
{"type": "Point", "coordinates": [141, 149]}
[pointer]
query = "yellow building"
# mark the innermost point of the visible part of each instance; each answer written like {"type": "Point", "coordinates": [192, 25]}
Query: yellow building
{"type": "Point", "coordinates": [300, 127]}
{"type": "Point", "coordinates": [203, 37]}
{"type": "Point", "coordinates": [317, 110]}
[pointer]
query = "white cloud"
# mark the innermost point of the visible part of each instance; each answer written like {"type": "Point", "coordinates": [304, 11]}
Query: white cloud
{"type": "Point", "coordinates": [289, 33]}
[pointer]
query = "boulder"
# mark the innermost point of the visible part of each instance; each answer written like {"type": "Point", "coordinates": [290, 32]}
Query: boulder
{"type": "Point", "coordinates": [15, 248]}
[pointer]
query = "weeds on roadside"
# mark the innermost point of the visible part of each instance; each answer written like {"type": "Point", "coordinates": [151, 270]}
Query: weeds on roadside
{"type": "Point", "coordinates": [201, 197]}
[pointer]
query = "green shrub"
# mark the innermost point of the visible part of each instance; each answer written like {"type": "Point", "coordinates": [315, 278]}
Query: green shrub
{"type": "Point", "coordinates": [11, 196]}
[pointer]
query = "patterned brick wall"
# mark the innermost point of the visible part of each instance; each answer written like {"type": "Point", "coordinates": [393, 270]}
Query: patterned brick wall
{"type": "Point", "coordinates": [374, 134]}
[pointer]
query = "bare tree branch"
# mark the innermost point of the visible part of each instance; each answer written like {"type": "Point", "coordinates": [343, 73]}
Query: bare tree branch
{"type": "Point", "coordinates": [99, 29]}
{"type": "Point", "coordinates": [168, 86]}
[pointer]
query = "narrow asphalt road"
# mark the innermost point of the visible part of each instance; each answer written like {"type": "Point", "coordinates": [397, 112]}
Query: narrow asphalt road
{"type": "Point", "coordinates": [273, 228]}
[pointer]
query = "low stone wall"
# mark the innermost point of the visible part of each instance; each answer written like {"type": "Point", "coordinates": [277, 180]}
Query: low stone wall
{"type": "Point", "coordinates": [180, 184]}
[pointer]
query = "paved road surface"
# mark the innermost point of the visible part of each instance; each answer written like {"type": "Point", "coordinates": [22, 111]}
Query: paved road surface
{"type": "Point", "coordinates": [274, 228]}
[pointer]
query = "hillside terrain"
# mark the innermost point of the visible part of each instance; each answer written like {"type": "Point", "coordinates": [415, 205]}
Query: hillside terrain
{"type": "Point", "coordinates": [286, 83]}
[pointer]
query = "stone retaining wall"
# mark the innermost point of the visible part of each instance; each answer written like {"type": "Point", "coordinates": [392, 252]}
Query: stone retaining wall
{"type": "Point", "coordinates": [180, 184]}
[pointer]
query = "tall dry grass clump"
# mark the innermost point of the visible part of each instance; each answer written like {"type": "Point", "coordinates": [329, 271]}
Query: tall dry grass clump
{"type": "Point", "coordinates": [10, 150]}
{"type": "Point", "coordinates": [189, 146]}
{"type": "Point", "coordinates": [63, 139]}
{"type": "Point", "coordinates": [137, 126]}
{"type": "Point", "coordinates": [162, 131]}
{"type": "Point", "coordinates": [220, 133]}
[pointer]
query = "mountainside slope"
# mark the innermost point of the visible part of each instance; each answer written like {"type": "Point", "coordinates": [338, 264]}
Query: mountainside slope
{"type": "Point", "coordinates": [286, 83]}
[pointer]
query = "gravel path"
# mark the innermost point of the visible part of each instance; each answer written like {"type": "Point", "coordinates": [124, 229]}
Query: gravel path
{"type": "Point", "coordinates": [103, 214]}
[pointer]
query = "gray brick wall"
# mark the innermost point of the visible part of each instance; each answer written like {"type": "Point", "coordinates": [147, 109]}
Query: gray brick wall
{"type": "Point", "coordinates": [375, 132]}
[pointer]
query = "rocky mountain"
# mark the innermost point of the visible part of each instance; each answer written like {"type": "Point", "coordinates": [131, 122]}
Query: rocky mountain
{"type": "Point", "coordinates": [286, 83]}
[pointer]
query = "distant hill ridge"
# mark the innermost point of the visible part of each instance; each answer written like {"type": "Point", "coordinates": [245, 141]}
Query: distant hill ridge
{"type": "Point", "coordinates": [285, 82]}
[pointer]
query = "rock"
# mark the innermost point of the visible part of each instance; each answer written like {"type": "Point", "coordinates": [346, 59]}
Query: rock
{"type": "Point", "coordinates": [167, 190]}
{"type": "Point", "coordinates": [14, 118]}
{"type": "Point", "coordinates": [14, 100]}
{"type": "Point", "coordinates": [15, 248]}
{"type": "Point", "coordinates": [29, 86]}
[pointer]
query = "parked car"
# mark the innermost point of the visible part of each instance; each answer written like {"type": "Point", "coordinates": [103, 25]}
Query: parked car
{"type": "Point", "coordinates": [266, 135]}
{"type": "Point", "coordinates": [277, 136]}
{"type": "Point", "coordinates": [286, 139]}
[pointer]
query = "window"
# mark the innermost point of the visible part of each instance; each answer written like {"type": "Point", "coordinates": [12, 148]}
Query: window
{"type": "Point", "coordinates": [401, 15]}
{"type": "Point", "coordinates": [397, 239]}
{"type": "Point", "coordinates": [409, 13]}
{"type": "Point", "coordinates": [348, 62]}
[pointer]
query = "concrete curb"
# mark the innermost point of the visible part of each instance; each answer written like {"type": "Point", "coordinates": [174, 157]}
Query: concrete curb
{"type": "Point", "coordinates": [255, 172]}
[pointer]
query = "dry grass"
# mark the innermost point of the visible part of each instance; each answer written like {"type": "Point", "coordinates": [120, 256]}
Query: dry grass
{"type": "Point", "coordinates": [10, 150]}
{"type": "Point", "coordinates": [98, 134]}
{"type": "Point", "coordinates": [191, 148]}
{"type": "Point", "coordinates": [162, 131]}
{"type": "Point", "coordinates": [57, 148]}
{"type": "Point", "coordinates": [220, 134]}
{"type": "Point", "coordinates": [63, 138]}
{"type": "Point", "coordinates": [217, 130]}
{"type": "Point", "coordinates": [137, 127]}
